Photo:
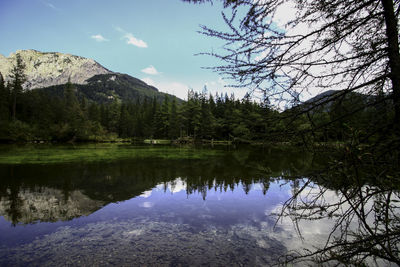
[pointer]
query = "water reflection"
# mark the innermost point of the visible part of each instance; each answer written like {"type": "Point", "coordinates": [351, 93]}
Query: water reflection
{"type": "Point", "coordinates": [49, 193]}
{"type": "Point", "coordinates": [46, 205]}
{"type": "Point", "coordinates": [154, 212]}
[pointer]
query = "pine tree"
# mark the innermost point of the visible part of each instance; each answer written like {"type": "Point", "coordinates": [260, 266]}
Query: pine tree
{"type": "Point", "coordinates": [113, 111]}
{"type": "Point", "coordinates": [174, 124]}
{"type": "Point", "coordinates": [73, 114]}
{"type": "Point", "coordinates": [94, 112]}
{"type": "Point", "coordinates": [192, 114]}
{"type": "Point", "coordinates": [4, 96]}
{"type": "Point", "coordinates": [207, 120]}
{"type": "Point", "coordinates": [162, 119]}
{"type": "Point", "coordinates": [18, 78]}
{"type": "Point", "coordinates": [125, 125]}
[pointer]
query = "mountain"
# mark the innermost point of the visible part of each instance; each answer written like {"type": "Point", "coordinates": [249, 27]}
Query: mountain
{"type": "Point", "coordinates": [104, 88]}
{"type": "Point", "coordinates": [325, 101]}
{"type": "Point", "coordinates": [47, 205]}
{"type": "Point", "coordinates": [50, 71]}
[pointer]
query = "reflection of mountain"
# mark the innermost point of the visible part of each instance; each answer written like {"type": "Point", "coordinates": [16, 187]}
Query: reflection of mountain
{"type": "Point", "coordinates": [30, 193]}
{"type": "Point", "coordinates": [46, 205]}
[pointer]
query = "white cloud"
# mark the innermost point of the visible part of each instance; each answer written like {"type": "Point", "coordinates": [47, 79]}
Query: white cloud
{"type": "Point", "coordinates": [146, 194]}
{"type": "Point", "coordinates": [50, 5]}
{"type": "Point", "coordinates": [99, 38]}
{"type": "Point", "coordinates": [285, 13]}
{"type": "Point", "coordinates": [146, 204]}
{"type": "Point", "coordinates": [177, 186]}
{"type": "Point", "coordinates": [221, 86]}
{"type": "Point", "coordinates": [130, 39]}
{"type": "Point", "coordinates": [151, 70]}
{"type": "Point", "coordinates": [118, 29]}
{"type": "Point", "coordinates": [180, 89]}
{"type": "Point", "coordinates": [283, 18]}
{"type": "Point", "coordinates": [175, 88]}
{"type": "Point", "coordinates": [149, 81]}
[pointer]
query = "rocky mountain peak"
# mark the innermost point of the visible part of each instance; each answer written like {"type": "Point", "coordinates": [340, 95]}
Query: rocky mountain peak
{"type": "Point", "coordinates": [44, 69]}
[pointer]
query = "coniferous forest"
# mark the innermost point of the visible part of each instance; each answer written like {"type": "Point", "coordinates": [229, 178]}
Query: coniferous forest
{"type": "Point", "coordinates": [318, 185]}
{"type": "Point", "coordinates": [39, 115]}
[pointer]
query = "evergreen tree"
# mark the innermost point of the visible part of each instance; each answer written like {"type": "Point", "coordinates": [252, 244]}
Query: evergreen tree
{"type": "Point", "coordinates": [84, 107]}
{"type": "Point", "coordinates": [125, 123]}
{"type": "Point", "coordinates": [174, 123]}
{"type": "Point", "coordinates": [207, 121]}
{"type": "Point", "coordinates": [94, 112]}
{"type": "Point", "coordinates": [192, 114]}
{"type": "Point", "coordinates": [330, 44]}
{"type": "Point", "coordinates": [4, 105]}
{"type": "Point", "coordinates": [18, 78]}
{"type": "Point", "coordinates": [162, 119]}
{"type": "Point", "coordinates": [73, 115]}
{"type": "Point", "coordinates": [114, 114]}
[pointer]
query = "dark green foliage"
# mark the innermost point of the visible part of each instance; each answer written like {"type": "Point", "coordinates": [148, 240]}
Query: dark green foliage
{"type": "Point", "coordinates": [106, 88]}
{"type": "Point", "coordinates": [4, 101]}
{"type": "Point", "coordinates": [18, 78]}
{"type": "Point", "coordinates": [70, 116]}
{"type": "Point", "coordinates": [351, 46]}
{"type": "Point", "coordinates": [174, 121]}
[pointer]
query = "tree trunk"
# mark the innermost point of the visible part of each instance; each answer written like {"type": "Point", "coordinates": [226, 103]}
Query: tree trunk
{"type": "Point", "coordinates": [14, 105]}
{"type": "Point", "coordinates": [392, 35]}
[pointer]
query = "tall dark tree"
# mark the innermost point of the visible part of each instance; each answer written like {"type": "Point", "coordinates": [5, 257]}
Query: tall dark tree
{"type": "Point", "coordinates": [4, 97]}
{"type": "Point", "coordinates": [161, 118]}
{"type": "Point", "coordinates": [113, 115]}
{"type": "Point", "coordinates": [73, 115]}
{"type": "Point", "coordinates": [348, 45]}
{"type": "Point", "coordinates": [94, 112]}
{"type": "Point", "coordinates": [125, 122]}
{"type": "Point", "coordinates": [174, 123]}
{"type": "Point", "coordinates": [207, 120]}
{"type": "Point", "coordinates": [18, 78]}
{"type": "Point", "coordinates": [351, 46]}
{"type": "Point", "coordinates": [192, 114]}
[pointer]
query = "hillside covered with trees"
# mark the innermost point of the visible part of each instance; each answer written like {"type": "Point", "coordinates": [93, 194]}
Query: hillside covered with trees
{"type": "Point", "coordinates": [68, 113]}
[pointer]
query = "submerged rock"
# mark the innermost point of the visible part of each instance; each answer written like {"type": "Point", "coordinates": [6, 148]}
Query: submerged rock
{"type": "Point", "coordinates": [149, 243]}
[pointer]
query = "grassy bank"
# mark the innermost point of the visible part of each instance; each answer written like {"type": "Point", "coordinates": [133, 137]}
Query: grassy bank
{"type": "Point", "coordinates": [50, 153]}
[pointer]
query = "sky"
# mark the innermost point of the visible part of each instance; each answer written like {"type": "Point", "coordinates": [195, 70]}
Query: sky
{"type": "Point", "coordinates": [153, 40]}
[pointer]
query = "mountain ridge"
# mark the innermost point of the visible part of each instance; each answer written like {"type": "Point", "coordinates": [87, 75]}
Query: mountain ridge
{"type": "Point", "coordinates": [106, 88]}
{"type": "Point", "coordinates": [50, 71]}
{"type": "Point", "coordinates": [44, 69]}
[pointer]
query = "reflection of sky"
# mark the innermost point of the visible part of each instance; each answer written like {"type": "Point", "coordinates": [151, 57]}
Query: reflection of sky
{"type": "Point", "coordinates": [170, 203]}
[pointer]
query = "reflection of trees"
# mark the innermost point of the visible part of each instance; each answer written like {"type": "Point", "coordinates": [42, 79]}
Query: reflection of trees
{"type": "Point", "coordinates": [203, 185]}
{"type": "Point", "coordinates": [365, 210]}
{"type": "Point", "coordinates": [351, 46]}
{"type": "Point", "coordinates": [14, 210]}
{"type": "Point", "coordinates": [9, 192]}
{"type": "Point", "coordinates": [122, 180]}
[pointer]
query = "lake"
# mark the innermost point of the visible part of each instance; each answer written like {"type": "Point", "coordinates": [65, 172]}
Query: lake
{"type": "Point", "coordinates": [109, 204]}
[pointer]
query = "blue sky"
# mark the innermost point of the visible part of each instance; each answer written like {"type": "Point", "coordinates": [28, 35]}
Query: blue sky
{"type": "Point", "coordinates": [154, 40]}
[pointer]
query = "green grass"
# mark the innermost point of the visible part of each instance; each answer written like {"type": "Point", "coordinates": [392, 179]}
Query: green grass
{"type": "Point", "coordinates": [48, 154]}
{"type": "Point", "coordinates": [157, 141]}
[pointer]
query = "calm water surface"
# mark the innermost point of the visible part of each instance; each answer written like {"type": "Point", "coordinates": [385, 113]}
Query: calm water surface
{"type": "Point", "coordinates": [161, 206]}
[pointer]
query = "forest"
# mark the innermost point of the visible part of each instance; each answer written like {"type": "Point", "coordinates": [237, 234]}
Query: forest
{"type": "Point", "coordinates": [344, 53]}
{"type": "Point", "coordinates": [38, 115]}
